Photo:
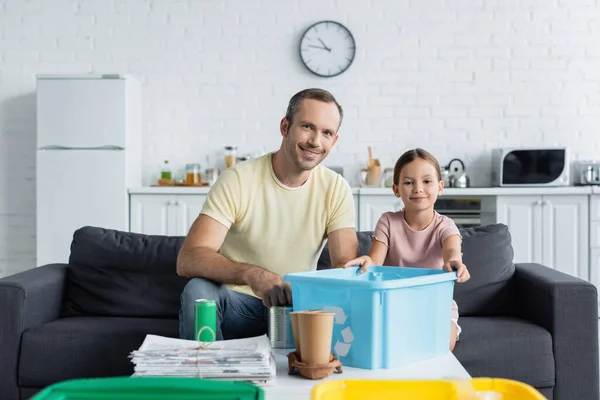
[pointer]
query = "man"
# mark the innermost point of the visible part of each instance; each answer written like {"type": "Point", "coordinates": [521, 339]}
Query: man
{"type": "Point", "coordinates": [268, 217]}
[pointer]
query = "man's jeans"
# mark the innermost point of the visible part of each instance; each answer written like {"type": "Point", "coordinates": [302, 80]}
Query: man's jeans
{"type": "Point", "coordinates": [238, 315]}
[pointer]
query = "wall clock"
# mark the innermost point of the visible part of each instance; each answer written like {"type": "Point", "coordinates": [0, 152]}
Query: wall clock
{"type": "Point", "coordinates": [327, 48]}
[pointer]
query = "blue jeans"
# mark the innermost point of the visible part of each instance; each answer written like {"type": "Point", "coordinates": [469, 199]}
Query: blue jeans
{"type": "Point", "coordinates": [238, 315]}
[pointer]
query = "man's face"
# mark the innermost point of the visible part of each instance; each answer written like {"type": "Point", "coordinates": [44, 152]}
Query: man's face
{"type": "Point", "coordinates": [311, 134]}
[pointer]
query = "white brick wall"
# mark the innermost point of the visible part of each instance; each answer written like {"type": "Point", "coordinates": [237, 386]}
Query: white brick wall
{"type": "Point", "coordinates": [455, 77]}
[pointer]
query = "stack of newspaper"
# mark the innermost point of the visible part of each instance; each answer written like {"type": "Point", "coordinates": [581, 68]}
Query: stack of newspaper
{"type": "Point", "coordinates": [241, 359]}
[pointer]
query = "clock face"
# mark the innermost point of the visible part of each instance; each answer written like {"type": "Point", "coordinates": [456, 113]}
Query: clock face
{"type": "Point", "coordinates": [327, 48]}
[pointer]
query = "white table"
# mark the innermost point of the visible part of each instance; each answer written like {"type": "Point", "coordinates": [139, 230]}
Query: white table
{"type": "Point", "coordinates": [295, 387]}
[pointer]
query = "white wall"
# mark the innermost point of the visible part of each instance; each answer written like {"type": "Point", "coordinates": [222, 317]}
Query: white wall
{"type": "Point", "coordinates": [456, 77]}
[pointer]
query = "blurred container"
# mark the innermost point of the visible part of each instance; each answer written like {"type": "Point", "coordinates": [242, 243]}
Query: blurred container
{"type": "Point", "coordinates": [230, 156]}
{"type": "Point", "coordinates": [150, 388]}
{"type": "Point", "coordinates": [165, 173]}
{"type": "Point", "coordinates": [473, 389]}
{"type": "Point", "coordinates": [192, 174]}
{"type": "Point", "coordinates": [388, 177]}
{"type": "Point", "coordinates": [212, 174]}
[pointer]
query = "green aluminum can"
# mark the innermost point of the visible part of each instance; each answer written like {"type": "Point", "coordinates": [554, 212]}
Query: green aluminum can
{"type": "Point", "coordinates": [205, 320]}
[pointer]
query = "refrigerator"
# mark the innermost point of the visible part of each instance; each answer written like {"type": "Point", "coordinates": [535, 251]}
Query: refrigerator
{"type": "Point", "coordinates": [88, 154]}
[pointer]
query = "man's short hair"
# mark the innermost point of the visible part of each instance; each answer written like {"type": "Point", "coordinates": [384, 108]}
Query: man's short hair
{"type": "Point", "coordinates": [314, 94]}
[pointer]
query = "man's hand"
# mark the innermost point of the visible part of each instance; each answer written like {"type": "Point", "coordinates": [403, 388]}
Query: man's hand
{"type": "Point", "coordinates": [461, 270]}
{"type": "Point", "coordinates": [270, 287]}
{"type": "Point", "coordinates": [364, 262]}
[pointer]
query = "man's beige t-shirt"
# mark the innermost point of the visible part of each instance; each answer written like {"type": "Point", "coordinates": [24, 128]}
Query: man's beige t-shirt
{"type": "Point", "coordinates": [279, 228]}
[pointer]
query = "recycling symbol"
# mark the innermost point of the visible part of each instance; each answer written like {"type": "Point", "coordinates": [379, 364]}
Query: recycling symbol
{"type": "Point", "coordinates": [341, 348]}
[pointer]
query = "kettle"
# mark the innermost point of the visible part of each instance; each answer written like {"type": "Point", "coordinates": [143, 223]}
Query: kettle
{"type": "Point", "coordinates": [459, 179]}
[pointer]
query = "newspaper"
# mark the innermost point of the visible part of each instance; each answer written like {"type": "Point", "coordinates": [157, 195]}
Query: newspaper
{"type": "Point", "coordinates": [240, 359]}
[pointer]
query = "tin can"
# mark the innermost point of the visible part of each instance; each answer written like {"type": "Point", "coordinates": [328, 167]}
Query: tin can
{"type": "Point", "coordinates": [281, 335]}
{"type": "Point", "coordinates": [205, 320]}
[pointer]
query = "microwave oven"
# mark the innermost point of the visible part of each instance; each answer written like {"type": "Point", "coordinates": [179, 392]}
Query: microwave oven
{"type": "Point", "coordinates": [530, 167]}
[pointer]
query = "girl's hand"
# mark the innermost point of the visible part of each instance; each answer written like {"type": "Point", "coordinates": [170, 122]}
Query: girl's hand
{"type": "Point", "coordinates": [461, 270]}
{"type": "Point", "coordinates": [365, 262]}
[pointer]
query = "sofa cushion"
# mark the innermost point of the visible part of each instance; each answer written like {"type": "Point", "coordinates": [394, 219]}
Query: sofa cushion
{"type": "Point", "coordinates": [81, 347]}
{"type": "Point", "coordinates": [122, 274]}
{"type": "Point", "coordinates": [488, 254]}
{"type": "Point", "coordinates": [505, 347]}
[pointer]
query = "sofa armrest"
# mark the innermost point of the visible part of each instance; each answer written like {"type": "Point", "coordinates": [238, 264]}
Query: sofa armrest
{"type": "Point", "coordinates": [27, 299]}
{"type": "Point", "coordinates": [568, 308]}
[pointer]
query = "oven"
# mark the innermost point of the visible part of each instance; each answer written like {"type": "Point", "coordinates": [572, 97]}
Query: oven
{"type": "Point", "coordinates": [466, 212]}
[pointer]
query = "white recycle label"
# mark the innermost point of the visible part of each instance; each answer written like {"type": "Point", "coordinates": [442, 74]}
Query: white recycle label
{"type": "Point", "coordinates": [347, 335]}
{"type": "Point", "coordinates": [340, 316]}
{"type": "Point", "coordinates": [341, 348]}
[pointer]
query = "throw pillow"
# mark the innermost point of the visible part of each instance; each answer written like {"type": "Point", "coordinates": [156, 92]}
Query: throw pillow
{"type": "Point", "coordinates": [122, 274]}
{"type": "Point", "coordinates": [488, 254]}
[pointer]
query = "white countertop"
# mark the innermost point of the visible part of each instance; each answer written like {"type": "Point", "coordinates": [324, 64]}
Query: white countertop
{"type": "Point", "coordinates": [185, 190]}
{"type": "Point", "coordinates": [475, 191]}
{"type": "Point", "coordinates": [170, 190]}
{"type": "Point", "coordinates": [494, 191]}
{"type": "Point", "coordinates": [294, 387]}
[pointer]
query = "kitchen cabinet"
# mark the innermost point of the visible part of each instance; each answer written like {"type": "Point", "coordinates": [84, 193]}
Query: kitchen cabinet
{"type": "Point", "coordinates": [356, 211]}
{"type": "Point", "coordinates": [188, 209]}
{"type": "Point", "coordinates": [370, 208]}
{"type": "Point", "coordinates": [152, 214]}
{"type": "Point", "coordinates": [164, 214]}
{"type": "Point", "coordinates": [595, 242]}
{"type": "Point", "coordinates": [557, 227]}
{"type": "Point", "coordinates": [552, 230]}
{"type": "Point", "coordinates": [594, 268]}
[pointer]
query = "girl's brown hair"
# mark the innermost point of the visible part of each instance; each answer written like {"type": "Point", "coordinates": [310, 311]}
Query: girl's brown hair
{"type": "Point", "coordinates": [412, 155]}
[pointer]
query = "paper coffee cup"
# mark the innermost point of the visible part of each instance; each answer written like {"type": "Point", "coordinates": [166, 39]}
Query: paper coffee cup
{"type": "Point", "coordinates": [296, 329]}
{"type": "Point", "coordinates": [316, 331]}
{"type": "Point", "coordinates": [296, 333]}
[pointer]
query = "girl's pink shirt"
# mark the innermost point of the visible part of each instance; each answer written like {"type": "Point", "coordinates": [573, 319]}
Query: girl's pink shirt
{"type": "Point", "coordinates": [410, 248]}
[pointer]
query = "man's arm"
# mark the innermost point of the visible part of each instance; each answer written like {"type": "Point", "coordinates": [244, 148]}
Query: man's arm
{"type": "Point", "coordinates": [343, 246]}
{"type": "Point", "coordinates": [199, 257]}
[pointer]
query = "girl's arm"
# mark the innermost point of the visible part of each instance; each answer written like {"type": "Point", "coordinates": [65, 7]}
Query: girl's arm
{"type": "Point", "coordinates": [451, 252]}
{"type": "Point", "coordinates": [451, 248]}
{"type": "Point", "coordinates": [378, 252]}
{"type": "Point", "coordinates": [376, 256]}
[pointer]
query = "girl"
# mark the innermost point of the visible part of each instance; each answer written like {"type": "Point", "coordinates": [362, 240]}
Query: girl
{"type": "Point", "coordinates": [417, 236]}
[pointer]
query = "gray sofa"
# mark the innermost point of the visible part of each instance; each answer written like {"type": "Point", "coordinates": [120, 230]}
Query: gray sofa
{"type": "Point", "coordinates": [524, 322]}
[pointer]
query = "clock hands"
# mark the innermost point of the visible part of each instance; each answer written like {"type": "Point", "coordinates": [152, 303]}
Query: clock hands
{"type": "Point", "coordinates": [324, 45]}
{"type": "Point", "coordinates": [319, 47]}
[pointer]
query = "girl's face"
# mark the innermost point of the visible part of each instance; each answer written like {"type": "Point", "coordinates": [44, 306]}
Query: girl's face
{"type": "Point", "coordinates": [418, 185]}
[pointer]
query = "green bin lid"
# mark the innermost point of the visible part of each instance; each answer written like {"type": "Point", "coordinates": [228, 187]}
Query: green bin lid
{"type": "Point", "coordinates": [150, 388]}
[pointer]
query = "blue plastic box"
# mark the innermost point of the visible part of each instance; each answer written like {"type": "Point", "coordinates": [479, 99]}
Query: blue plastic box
{"type": "Point", "coordinates": [384, 318]}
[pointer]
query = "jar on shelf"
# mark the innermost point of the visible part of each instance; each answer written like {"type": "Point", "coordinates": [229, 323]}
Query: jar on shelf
{"type": "Point", "coordinates": [212, 174]}
{"type": "Point", "coordinates": [388, 177]}
{"type": "Point", "coordinates": [230, 156]}
{"type": "Point", "coordinates": [192, 174]}
{"type": "Point", "coordinates": [165, 172]}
